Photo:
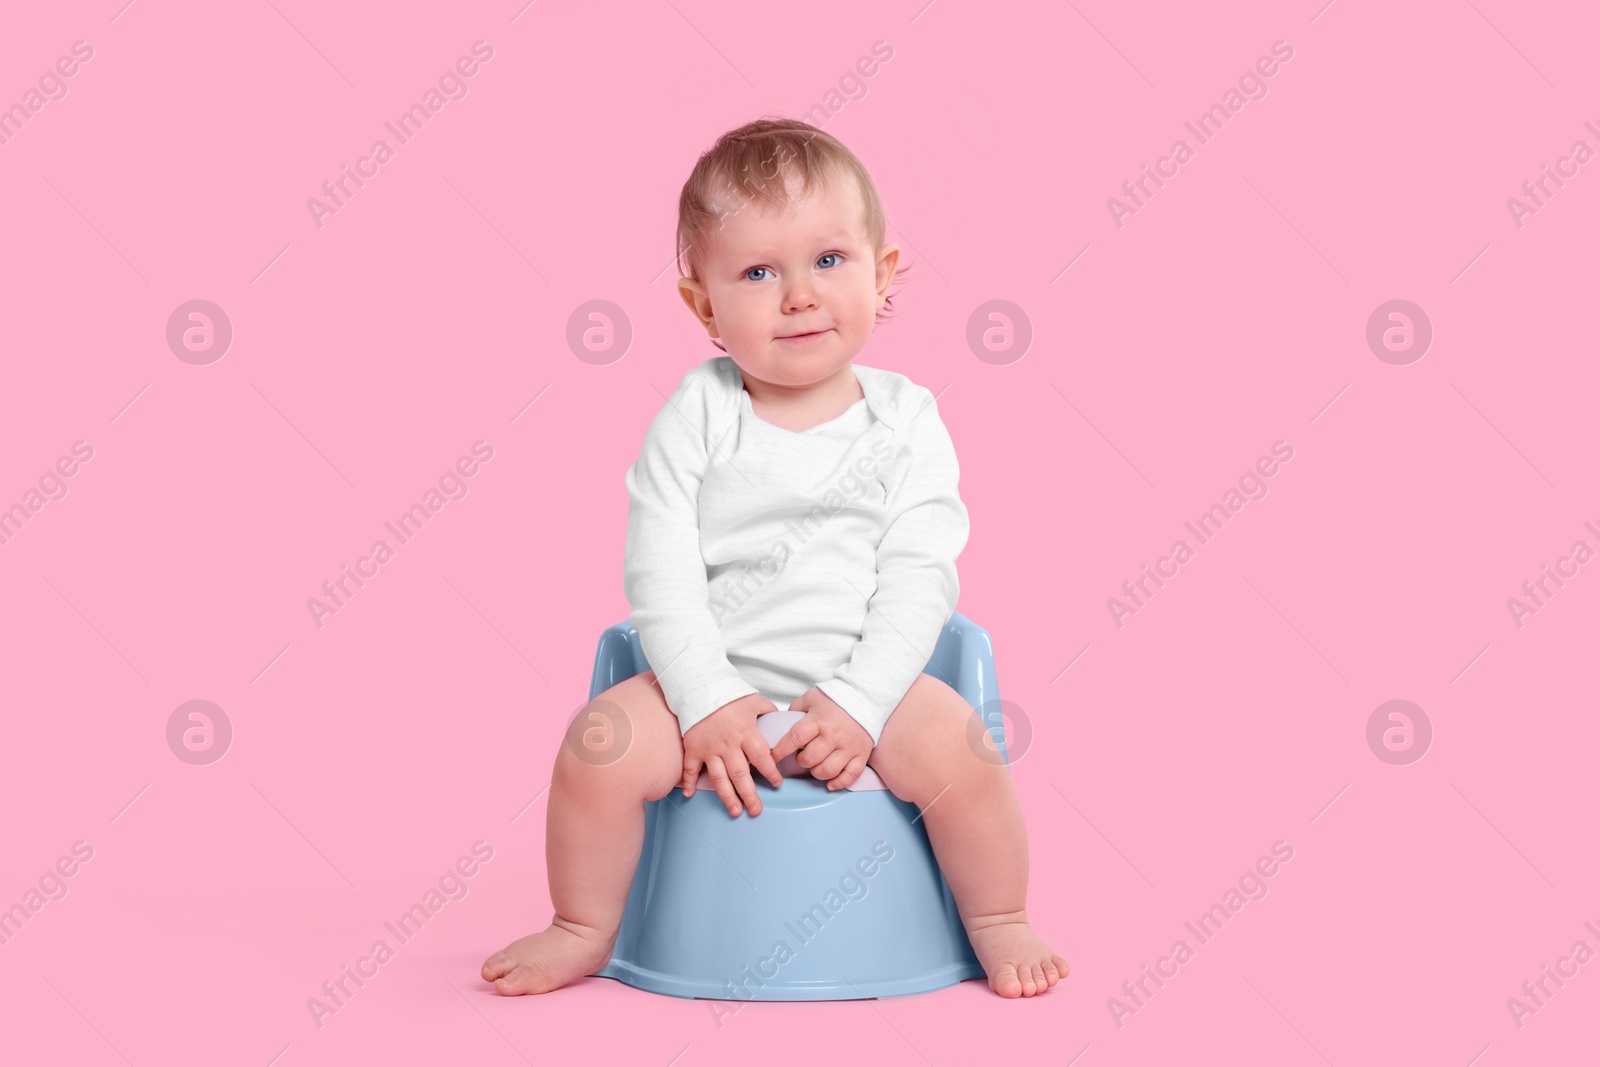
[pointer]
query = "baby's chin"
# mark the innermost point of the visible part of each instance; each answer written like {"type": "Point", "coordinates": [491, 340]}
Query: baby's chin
{"type": "Point", "coordinates": [788, 367]}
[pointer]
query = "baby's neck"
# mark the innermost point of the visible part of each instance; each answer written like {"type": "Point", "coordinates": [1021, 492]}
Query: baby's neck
{"type": "Point", "coordinates": [799, 409]}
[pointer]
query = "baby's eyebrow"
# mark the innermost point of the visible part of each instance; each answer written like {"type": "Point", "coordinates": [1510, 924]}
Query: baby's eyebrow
{"type": "Point", "coordinates": [831, 239]}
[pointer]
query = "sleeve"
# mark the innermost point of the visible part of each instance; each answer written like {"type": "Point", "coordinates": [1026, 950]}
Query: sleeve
{"type": "Point", "coordinates": [917, 584]}
{"type": "Point", "coordinates": [663, 571]}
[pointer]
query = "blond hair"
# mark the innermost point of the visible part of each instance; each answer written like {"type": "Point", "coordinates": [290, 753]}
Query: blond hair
{"type": "Point", "coordinates": [751, 164]}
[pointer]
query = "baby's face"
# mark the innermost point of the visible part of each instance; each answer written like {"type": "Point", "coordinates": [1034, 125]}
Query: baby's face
{"type": "Point", "coordinates": [807, 270]}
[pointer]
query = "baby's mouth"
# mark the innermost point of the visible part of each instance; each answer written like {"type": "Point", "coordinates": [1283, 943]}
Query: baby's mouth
{"type": "Point", "coordinates": [804, 338]}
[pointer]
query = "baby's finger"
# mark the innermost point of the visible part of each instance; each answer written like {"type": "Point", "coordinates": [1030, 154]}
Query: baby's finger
{"type": "Point", "coordinates": [814, 753]}
{"type": "Point", "coordinates": [847, 777]}
{"type": "Point", "coordinates": [760, 757]}
{"type": "Point", "coordinates": [739, 775]}
{"type": "Point", "coordinates": [719, 778]}
{"type": "Point", "coordinates": [800, 734]}
{"type": "Point", "coordinates": [830, 767]}
{"type": "Point", "coordinates": [691, 774]}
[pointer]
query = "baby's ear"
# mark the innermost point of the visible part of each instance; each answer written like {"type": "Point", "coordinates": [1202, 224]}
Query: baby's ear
{"type": "Point", "coordinates": [888, 263]}
{"type": "Point", "coordinates": [698, 300]}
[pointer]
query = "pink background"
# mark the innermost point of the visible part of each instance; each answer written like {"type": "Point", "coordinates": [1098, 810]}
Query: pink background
{"type": "Point", "coordinates": [1227, 314]}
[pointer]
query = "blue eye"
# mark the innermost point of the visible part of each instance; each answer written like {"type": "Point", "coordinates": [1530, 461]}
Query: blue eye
{"type": "Point", "coordinates": [825, 255]}
{"type": "Point", "coordinates": [747, 274]}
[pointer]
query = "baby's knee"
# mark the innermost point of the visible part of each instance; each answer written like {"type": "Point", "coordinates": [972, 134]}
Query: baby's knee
{"type": "Point", "coordinates": [621, 740]}
{"type": "Point", "coordinates": [936, 740]}
{"type": "Point", "coordinates": [938, 717]}
{"type": "Point", "coordinates": [599, 736]}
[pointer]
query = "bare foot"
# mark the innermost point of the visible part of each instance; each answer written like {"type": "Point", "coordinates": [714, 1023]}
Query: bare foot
{"type": "Point", "coordinates": [547, 960]}
{"type": "Point", "coordinates": [1017, 962]}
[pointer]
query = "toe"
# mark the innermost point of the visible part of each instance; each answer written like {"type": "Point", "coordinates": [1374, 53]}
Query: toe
{"type": "Point", "coordinates": [1051, 975]}
{"type": "Point", "coordinates": [1006, 982]}
{"type": "Point", "coordinates": [1061, 965]}
{"type": "Point", "coordinates": [523, 978]}
{"type": "Point", "coordinates": [495, 966]}
{"type": "Point", "coordinates": [1030, 983]}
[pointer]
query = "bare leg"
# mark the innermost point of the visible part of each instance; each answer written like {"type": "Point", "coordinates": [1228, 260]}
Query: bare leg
{"type": "Point", "coordinates": [975, 826]}
{"type": "Point", "coordinates": [594, 831]}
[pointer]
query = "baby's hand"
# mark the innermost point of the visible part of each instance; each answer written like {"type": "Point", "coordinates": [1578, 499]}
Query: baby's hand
{"type": "Point", "coordinates": [829, 742]}
{"type": "Point", "coordinates": [729, 743]}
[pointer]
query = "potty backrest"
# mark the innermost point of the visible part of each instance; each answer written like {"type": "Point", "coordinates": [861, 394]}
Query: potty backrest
{"type": "Point", "coordinates": [963, 659]}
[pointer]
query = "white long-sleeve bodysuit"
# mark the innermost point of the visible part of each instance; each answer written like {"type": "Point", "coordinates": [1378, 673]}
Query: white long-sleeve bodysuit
{"type": "Point", "coordinates": [761, 560]}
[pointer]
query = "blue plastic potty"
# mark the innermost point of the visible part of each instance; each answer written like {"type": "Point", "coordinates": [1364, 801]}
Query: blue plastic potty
{"type": "Point", "coordinates": [823, 896]}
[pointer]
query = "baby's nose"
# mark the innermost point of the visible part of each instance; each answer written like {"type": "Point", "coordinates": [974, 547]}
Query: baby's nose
{"type": "Point", "coordinates": [800, 299]}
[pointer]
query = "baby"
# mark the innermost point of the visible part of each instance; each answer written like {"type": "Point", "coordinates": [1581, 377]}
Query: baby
{"type": "Point", "coordinates": [793, 527]}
